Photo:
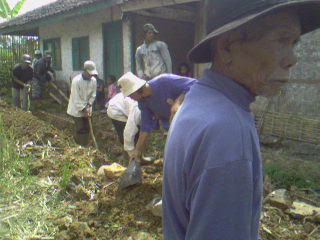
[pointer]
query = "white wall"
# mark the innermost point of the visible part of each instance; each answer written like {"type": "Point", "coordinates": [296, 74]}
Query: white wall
{"type": "Point", "coordinates": [80, 26]}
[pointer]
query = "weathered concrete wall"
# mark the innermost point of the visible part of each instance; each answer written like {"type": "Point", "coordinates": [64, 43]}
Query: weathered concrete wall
{"type": "Point", "coordinates": [305, 98]}
{"type": "Point", "coordinates": [86, 25]}
{"type": "Point", "coordinates": [301, 99]}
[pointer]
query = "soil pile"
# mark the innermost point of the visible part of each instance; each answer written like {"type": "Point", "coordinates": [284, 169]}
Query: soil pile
{"type": "Point", "coordinates": [27, 127]}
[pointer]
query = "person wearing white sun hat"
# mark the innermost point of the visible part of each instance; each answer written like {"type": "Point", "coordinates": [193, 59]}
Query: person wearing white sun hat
{"type": "Point", "coordinates": [212, 183]}
{"type": "Point", "coordinates": [158, 100]}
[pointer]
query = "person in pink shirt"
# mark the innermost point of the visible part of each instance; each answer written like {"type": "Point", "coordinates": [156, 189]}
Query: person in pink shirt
{"type": "Point", "coordinates": [112, 88]}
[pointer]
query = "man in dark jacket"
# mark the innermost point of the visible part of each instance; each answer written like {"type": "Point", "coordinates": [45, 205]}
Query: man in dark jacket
{"type": "Point", "coordinates": [41, 72]}
{"type": "Point", "coordinates": [22, 76]}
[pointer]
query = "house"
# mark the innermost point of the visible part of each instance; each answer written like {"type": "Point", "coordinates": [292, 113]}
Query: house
{"type": "Point", "coordinates": [108, 31]}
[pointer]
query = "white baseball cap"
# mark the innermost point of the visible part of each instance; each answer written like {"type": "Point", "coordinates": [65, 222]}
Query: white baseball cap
{"type": "Point", "coordinates": [90, 67]}
{"type": "Point", "coordinates": [130, 83]}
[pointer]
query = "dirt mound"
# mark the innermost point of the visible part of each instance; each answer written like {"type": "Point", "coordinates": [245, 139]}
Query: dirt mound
{"type": "Point", "coordinates": [111, 214]}
{"type": "Point", "coordinates": [97, 210]}
{"type": "Point", "coordinates": [27, 127]}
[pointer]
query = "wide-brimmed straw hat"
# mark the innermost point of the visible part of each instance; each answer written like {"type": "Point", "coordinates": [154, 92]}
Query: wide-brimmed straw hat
{"type": "Point", "coordinates": [130, 83]}
{"type": "Point", "coordinates": [227, 15]}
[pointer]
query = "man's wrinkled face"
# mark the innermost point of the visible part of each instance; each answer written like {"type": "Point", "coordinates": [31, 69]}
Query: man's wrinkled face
{"type": "Point", "coordinates": [263, 62]}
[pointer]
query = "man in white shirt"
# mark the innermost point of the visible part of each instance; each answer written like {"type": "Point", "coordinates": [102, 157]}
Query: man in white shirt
{"type": "Point", "coordinates": [83, 94]}
{"type": "Point", "coordinates": [126, 118]}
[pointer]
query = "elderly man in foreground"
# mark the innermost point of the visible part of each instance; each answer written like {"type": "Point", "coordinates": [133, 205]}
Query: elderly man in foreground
{"type": "Point", "coordinates": [212, 187]}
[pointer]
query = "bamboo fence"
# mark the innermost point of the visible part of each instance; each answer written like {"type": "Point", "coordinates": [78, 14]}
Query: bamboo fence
{"type": "Point", "coordinates": [289, 126]}
{"type": "Point", "coordinates": [11, 50]}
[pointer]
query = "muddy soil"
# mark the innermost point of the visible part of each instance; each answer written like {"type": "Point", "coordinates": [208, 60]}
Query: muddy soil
{"type": "Point", "coordinates": [97, 210]}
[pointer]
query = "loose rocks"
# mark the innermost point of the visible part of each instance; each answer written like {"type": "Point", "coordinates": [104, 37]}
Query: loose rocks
{"type": "Point", "coordinates": [111, 171]}
{"type": "Point", "coordinates": [280, 199]}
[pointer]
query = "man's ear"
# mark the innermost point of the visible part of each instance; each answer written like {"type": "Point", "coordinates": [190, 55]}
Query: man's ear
{"type": "Point", "coordinates": [222, 48]}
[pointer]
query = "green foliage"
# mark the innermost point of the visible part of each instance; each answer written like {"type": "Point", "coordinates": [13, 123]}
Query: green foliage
{"type": "Point", "coordinates": [8, 157]}
{"type": "Point", "coordinates": [65, 178]}
{"type": "Point", "coordinates": [4, 9]}
{"type": "Point", "coordinates": [26, 201]}
{"type": "Point", "coordinates": [5, 75]}
{"type": "Point", "coordinates": [7, 12]}
{"type": "Point", "coordinates": [16, 9]}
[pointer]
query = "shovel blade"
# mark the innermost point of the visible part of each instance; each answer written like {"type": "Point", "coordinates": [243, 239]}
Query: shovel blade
{"type": "Point", "coordinates": [131, 176]}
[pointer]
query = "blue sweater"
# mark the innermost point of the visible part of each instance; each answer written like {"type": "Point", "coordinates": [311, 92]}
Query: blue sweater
{"type": "Point", "coordinates": [156, 106]}
{"type": "Point", "coordinates": [212, 183]}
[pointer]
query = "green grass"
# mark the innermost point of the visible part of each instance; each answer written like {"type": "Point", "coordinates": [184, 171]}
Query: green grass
{"type": "Point", "coordinates": [26, 202]}
{"type": "Point", "coordinates": [286, 177]}
{"type": "Point", "coordinates": [65, 178]}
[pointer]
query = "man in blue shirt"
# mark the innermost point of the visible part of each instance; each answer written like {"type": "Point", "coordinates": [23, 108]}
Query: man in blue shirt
{"type": "Point", "coordinates": [158, 99]}
{"type": "Point", "coordinates": [212, 184]}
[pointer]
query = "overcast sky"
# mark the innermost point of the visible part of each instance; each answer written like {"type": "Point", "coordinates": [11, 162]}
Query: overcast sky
{"type": "Point", "coordinates": [30, 4]}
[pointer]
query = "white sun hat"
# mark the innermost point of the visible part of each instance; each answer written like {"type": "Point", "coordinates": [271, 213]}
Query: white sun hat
{"type": "Point", "coordinates": [90, 67]}
{"type": "Point", "coordinates": [130, 83]}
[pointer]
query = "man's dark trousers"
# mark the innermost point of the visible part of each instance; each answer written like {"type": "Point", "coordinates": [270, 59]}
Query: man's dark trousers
{"type": "Point", "coordinates": [82, 130]}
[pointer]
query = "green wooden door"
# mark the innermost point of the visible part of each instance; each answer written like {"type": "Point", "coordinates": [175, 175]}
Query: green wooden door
{"type": "Point", "coordinates": [112, 41]}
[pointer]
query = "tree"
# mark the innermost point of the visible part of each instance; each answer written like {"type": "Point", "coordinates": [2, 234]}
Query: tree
{"type": "Point", "coordinates": [5, 10]}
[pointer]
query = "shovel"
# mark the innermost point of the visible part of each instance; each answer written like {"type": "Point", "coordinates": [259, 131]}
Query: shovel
{"type": "Point", "coordinates": [131, 176]}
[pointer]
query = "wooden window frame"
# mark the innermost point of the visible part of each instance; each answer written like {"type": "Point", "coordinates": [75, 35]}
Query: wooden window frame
{"type": "Point", "coordinates": [80, 52]}
{"type": "Point", "coordinates": [56, 58]}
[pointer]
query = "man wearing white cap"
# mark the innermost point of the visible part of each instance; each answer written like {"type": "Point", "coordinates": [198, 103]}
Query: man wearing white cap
{"type": "Point", "coordinates": [158, 99]}
{"type": "Point", "coordinates": [212, 183]}
{"type": "Point", "coordinates": [83, 94]}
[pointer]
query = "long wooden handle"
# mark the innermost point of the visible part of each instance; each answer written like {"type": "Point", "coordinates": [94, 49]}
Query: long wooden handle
{"type": "Point", "coordinates": [54, 97]}
{"type": "Point", "coordinates": [59, 91]}
{"type": "Point", "coordinates": [92, 134]}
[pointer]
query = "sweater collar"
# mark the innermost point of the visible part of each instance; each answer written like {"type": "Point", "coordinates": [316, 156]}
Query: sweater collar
{"type": "Point", "coordinates": [237, 93]}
